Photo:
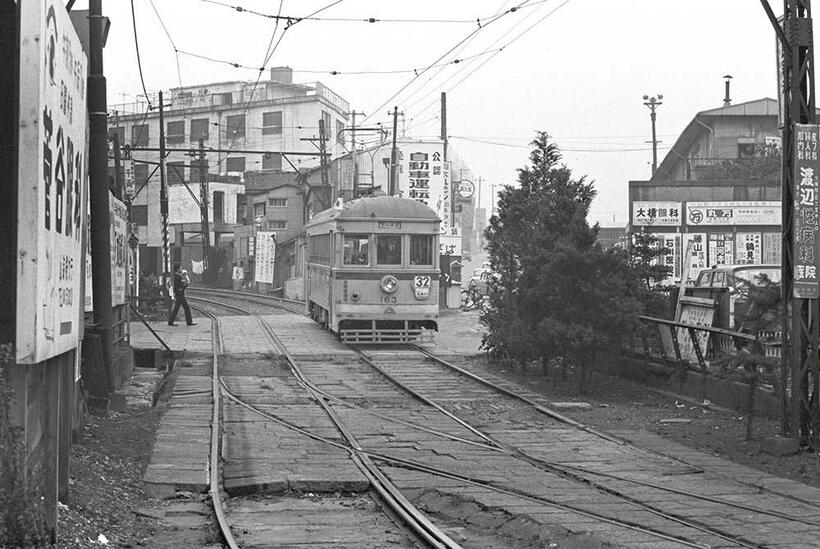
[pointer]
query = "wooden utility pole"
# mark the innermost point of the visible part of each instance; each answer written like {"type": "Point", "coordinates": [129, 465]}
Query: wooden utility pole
{"type": "Point", "coordinates": [394, 157]}
{"type": "Point", "coordinates": [326, 190]}
{"type": "Point", "coordinates": [163, 204]}
{"type": "Point", "coordinates": [204, 197]}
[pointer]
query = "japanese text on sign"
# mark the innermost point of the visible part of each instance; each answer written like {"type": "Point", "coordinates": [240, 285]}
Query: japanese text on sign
{"type": "Point", "coordinates": [656, 213]}
{"type": "Point", "coordinates": [265, 257]}
{"type": "Point", "coordinates": [806, 212]}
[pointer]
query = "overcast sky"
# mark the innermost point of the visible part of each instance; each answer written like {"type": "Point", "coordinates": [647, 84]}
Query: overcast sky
{"type": "Point", "coordinates": [575, 68]}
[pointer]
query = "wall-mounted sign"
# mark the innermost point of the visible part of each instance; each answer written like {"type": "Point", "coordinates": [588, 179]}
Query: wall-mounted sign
{"type": "Point", "coordinates": [733, 213]}
{"type": "Point", "coordinates": [390, 224]}
{"type": "Point", "coordinates": [646, 214]}
{"type": "Point", "coordinates": [721, 249]}
{"type": "Point", "coordinates": [697, 253]}
{"type": "Point", "coordinates": [119, 249]}
{"type": "Point", "coordinates": [672, 259]}
{"type": "Point", "coordinates": [466, 188]}
{"type": "Point", "coordinates": [748, 249]}
{"type": "Point", "coordinates": [52, 167]}
{"type": "Point", "coordinates": [449, 245]}
{"type": "Point", "coordinates": [806, 251]}
{"type": "Point", "coordinates": [265, 256]}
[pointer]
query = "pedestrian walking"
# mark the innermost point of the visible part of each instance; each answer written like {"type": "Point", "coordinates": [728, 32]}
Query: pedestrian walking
{"type": "Point", "coordinates": [181, 281]}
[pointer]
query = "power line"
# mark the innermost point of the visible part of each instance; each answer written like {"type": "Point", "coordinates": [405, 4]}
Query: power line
{"type": "Point", "coordinates": [171, 40]}
{"type": "Point", "coordinates": [137, 46]}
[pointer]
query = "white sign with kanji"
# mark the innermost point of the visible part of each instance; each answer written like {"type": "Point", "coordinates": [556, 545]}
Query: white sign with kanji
{"type": "Point", "coordinates": [648, 214]}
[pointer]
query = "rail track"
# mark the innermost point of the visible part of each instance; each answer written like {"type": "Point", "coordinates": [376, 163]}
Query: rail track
{"type": "Point", "coordinates": [412, 373]}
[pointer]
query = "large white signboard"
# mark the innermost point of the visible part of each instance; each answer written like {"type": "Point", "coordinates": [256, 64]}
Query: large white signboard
{"type": "Point", "coordinates": [52, 166]}
{"type": "Point", "coordinates": [733, 213]}
{"type": "Point", "coordinates": [697, 253]}
{"type": "Point", "coordinates": [119, 249]}
{"type": "Point", "coordinates": [424, 177]}
{"type": "Point", "coordinates": [265, 256]}
{"type": "Point", "coordinates": [748, 249]}
{"type": "Point", "coordinates": [648, 214]}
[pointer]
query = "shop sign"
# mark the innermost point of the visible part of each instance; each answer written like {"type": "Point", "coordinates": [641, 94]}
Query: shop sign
{"type": "Point", "coordinates": [52, 167]}
{"type": "Point", "coordinates": [466, 188]}
{"type": "Point", "coordinates": [646, 214]}
{"type": "Point", "coordinates": [721, 249]}
{"type": "Point", "coordinates": [697, 253]}
{"type": "Point", "coordinates": [265, 257]}
{"type": "Point", "coordinates": [772, 244]}
{"type": "Point", "coordinates": [748, 250]}
{"type": "Point", "coordinates": [733, 213]}
{"type": "Point", "coordinates": [118, 217]}
{"type": "Point", "coordinates": [806, 212]}
{"type": "Point", "coordinates": [672, 259]}
{"type": "Point", "coordinates": [449, 245]}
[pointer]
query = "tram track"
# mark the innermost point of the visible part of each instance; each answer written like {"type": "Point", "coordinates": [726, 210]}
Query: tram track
{"type": "Point", "coordinates": [579, 475]}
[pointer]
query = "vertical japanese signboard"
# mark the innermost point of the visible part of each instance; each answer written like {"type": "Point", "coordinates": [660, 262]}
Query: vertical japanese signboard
{"type": "Point", "coordinates": [721, 249]}
{"type": "Point", "coordinates": [749, 249]}
{"type": "Point", "coordinates": [806, 212]}
{"type": "Point", "coordinates": [51, 170]}
{"type": "Point", "coordinates": [424, 178]}
{"type": "Point", "coordinates": [118, 215]}
{"type": "Point", "coordinates": [697, 253]}
{"type": "Point", "coordinates": [265, 256]}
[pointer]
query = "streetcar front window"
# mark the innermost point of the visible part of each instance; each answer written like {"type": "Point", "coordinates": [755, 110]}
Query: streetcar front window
{"type": "Point", "coordinates": [421, 249]}
{"type": "Point", "coordinates": [356, 248]}
{"type": "Point", "coordinates": [388, 250]}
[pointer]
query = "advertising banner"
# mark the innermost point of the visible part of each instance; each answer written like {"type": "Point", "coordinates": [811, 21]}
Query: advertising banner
{"type": "Point", "coordinates": [449, 245]}
{"type": "Point", "coordinates": [806, 254]}
{"type": "Point", "coordinates": [698, 259]}
{"type": "Point", "coordinates": [772, 246]}
{"type": "Point", "coordinates": [424, 177]}
{"type": "Point", "coordinates": [721, 249]}
{"type": "Point", "coordinates": [646, 214]}
{"type": "Point", "coordinates": [748, 250]}
{"type": "Point", "coordinates": [672, 259]}
{"type": "Point", "coordinates": [118, 215]}
{"type": "Point", "coordinates": [52, 163]}
{"type": "Point", "coordinates": [733, 213]}
{"type": "Point", "coordinates": [130, 179]}
{"type": "Point", "coordinates": [265, 257]}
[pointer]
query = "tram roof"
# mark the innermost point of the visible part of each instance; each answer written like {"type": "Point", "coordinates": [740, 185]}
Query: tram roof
{"type": "Point", "coordinates": [381, 207]}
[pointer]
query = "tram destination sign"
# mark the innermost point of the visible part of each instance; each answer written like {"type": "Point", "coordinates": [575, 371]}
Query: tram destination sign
{"type": "Point", "coordinates": [52, 163]}
{"type": "Point", "coordinates": [806, 246]}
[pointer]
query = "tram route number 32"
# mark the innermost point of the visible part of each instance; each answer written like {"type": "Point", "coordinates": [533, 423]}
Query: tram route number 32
{"type": "Point", "coordinates": [421, 287]}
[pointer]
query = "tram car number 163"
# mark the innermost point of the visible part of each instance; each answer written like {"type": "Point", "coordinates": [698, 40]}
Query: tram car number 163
{"type": "Point", "coordinates": [372, 273]}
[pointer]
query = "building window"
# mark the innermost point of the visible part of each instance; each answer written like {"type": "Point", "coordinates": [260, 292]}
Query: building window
{"type": "Point", "coordinates": [140, 174]}
{"type": "Point", "coordinates": [225, 98]}
{"type": "Point", "coordinates": [340, 136]}
{"type": "Point", "coordinates": [120, 133]}
{"type": "Point", "coordinates": [745, 150]}
{"type": "Point", "coordinates": [139, 215]}
{"type": "Point", "coordinates": [278, 202]}
{"type": "Point", "coordinates": [139, 135]}
{"type": "Point", "coordinates": [236, 164]}
{"type": "Point", "coordinates": [279, 224]}
{"type": "Point", "coordinates": [421, 249]}
{"type": "Point", "coordinates": [199, 129]}
{"type": "Point", "coordinates": [388, 249]}
{"type": "Point", "coordinates": [219, 206]}
{"type": "Point", "coordinates": [199, 170]}
{"type": "Point", "coordinates": [235, 126]}
{"type": "Point", "coordinates": [356, 249]}
{"type": "Point", "coordinates": [272, 161]}
{"type": "Point", "coordinates": [176, 172]}
{"type": "Point", "coordinates": [272, 123]}
{"type": "Point", "coordinates": [326, 122]}
{"type": "Point", "coordinates": [259, 209]}
{"type": "Point", "coordinates": [175, 132]}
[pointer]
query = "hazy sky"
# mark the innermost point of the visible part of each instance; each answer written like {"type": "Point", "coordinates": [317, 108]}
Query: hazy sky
{"type": "Point", "coordinates": [575, 68]}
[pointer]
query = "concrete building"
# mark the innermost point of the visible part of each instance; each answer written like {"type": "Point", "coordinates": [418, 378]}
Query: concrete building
{"type": "Point", "coordinates": [244, 127]}
{"type": "Point", "coordinates": [718, 188]}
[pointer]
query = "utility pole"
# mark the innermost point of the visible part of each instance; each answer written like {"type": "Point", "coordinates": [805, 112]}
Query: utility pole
{"type": "Point", "coordinates": [204, 196]}
{"type": "Point", "coordinates": [163, 204]}
{"type": "Point", "coordinates": [353, 115]}
{"type": "Point", "coordinates": [653, 103]}
{"type": "Point", "coordinates": [324, 164]}
{"type": "Point", "coordinates": [394, 156]}
{"type": "Point", "coordinates": [98, 176]}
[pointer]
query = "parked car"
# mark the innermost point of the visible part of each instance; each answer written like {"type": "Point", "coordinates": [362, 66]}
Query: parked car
{"type": "Point", "coordinates": [481, 278]}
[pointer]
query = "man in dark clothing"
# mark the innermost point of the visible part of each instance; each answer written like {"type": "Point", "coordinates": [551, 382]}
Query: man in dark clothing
{"type": "Point", "coordinates": [179, 298]}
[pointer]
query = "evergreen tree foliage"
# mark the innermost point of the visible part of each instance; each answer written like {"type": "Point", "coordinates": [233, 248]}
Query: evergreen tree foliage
{"type": "Point", "coordinates": [559, 294]}
{"type": "Point", "coordinates": [646, 253]}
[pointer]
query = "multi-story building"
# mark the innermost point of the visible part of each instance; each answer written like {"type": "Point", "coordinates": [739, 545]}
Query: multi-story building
{"type": "Point", "coordinates": [243, 126]}
{"type": "Point", "coordinates": [718, 188]}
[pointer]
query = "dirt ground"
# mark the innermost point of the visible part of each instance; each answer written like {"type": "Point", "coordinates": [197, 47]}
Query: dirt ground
{"type": "Point", "coordinates": [107, 498]}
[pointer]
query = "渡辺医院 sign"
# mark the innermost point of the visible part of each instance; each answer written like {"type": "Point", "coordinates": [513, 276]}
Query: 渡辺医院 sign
{"type": "Point", "coordinates": [806, 212]}
{"type": "Point", "coordinates": [52, 167]}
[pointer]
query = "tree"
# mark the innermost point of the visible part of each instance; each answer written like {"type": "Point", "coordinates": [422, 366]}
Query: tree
{"type": "Point", "coordinates": [559, 294]}
{"type": "Point", "coordinates": [764, 165]}
{"type": "Point", "coordinates": [646, 254]}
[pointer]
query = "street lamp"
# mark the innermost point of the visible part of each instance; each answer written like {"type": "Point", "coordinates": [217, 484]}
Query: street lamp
{"type": "Point", "coordinates": [653, 103]}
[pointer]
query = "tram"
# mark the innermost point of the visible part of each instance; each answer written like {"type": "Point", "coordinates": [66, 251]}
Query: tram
{"type": "Point", "coordinates": [372, 273]}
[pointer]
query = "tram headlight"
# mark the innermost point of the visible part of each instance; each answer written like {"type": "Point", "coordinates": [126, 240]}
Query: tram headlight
{"type": "Point", "coordinates": [389, 284]}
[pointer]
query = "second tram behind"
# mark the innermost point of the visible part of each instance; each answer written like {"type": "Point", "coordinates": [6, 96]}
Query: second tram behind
{"type": "Point", "coordinates": [372, 273]}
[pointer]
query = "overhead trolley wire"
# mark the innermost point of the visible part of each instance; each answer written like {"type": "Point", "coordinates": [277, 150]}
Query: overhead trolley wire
{"type": "Point", "coordinates": [137, 47]}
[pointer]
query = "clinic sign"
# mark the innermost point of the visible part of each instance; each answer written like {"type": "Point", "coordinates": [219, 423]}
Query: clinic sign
{"type": "Point", "coordinates": [806, 211]}
{"type": "Point", "coordinates": [649, 214]}
{"type": "Point", "coordinates": [265, 257]}
{"type": "Point", "coordinates": [52, 167]}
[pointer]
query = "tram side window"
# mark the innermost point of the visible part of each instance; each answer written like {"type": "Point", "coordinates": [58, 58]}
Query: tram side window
{"type": "Point", "coordinates": [319, 249]}
{"type": "Point", "coordinates": [356, 247]}
{"type": "Point", "coordinates": [388, 250]}
{"type": "Point", "coordinates": [421, 249]}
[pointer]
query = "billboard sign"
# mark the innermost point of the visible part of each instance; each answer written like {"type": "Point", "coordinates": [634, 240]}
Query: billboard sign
{"type": "Point", "coordinates": [52, 164]}
{"type": "Point", "coordinates": [424, 177]}
{"type": "Point", "coordinates": [721, 249]}
{"type": "Point", "coordinates": [648, 214]}
{"type": "Point", "coordinates": [733, 213]}
{"type": "Point", "coordinates": [806, 211]}
{"type": "Point", "coordinates": [748, 250]}
{"type": "Point", "coordinates": [265, 257]}
{"type": "Point", "coordinates": [119, 249]}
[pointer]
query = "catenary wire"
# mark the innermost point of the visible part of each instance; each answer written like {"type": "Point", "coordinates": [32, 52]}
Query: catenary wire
{"type": "Point", "coordinates": [137, 47]}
